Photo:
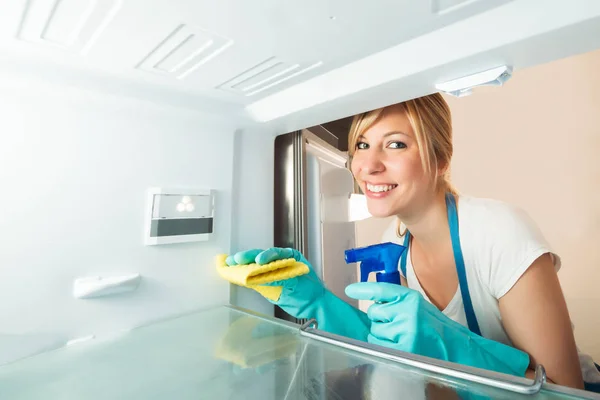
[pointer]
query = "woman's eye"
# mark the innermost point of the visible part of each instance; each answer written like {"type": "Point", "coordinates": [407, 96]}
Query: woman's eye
{"type": "Point", "coordinates": [362, 146]}
{"type": "Point", "coordinates": [397, 145]}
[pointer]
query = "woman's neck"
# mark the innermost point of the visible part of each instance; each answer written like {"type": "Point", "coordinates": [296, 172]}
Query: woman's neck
{"type": "Point", "coordinates": [428, 225]}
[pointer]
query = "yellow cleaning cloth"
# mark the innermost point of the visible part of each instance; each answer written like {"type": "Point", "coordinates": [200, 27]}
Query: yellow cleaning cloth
{"type": "Point", "coordinates": [254, 275]}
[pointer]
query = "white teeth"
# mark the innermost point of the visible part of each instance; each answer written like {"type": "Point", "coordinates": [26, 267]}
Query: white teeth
{"type": "Point", "coordinates": [380, 188]}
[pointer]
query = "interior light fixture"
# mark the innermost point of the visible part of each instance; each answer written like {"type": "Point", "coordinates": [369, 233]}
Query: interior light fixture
{"type": "Point", "coordinates": [464, 86]}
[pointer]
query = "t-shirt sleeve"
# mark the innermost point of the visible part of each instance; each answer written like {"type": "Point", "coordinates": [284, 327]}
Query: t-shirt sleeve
{"type": "Point", "coordinates": [514, 242]}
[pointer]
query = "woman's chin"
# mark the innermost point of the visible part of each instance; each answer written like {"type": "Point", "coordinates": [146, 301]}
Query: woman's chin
{"type": "Point", "coordinates": [379, 212]}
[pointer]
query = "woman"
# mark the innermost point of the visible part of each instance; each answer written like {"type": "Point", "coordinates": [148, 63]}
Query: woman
{"type": "Point", "coordinates": [493, 299]}
{"type": "Point", "coordinates": [400, 158]}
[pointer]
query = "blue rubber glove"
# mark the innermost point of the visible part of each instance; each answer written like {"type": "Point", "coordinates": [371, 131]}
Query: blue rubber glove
{"type": "Point", "coordinates": [402, 319]}
{"type": "Point", "coordinates": [306, 297]}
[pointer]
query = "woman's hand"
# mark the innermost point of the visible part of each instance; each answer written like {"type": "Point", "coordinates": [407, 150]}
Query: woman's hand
{"type": "Point", "coordinates": [402, 319]}
{"type": "Point", "coordinates": [298, 292]}
{"type": "Point", "coordinates": [306, 296]}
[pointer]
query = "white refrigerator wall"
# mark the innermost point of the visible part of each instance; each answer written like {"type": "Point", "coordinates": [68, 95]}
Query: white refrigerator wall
{"type": "Point", "coordinates": [252, 217]}
{"type": "Point", "coordinates": [74, 169]}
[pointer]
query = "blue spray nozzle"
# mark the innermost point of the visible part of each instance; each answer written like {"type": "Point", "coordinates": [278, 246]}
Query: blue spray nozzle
{"type": "Point", "coordinates": [380, 258]}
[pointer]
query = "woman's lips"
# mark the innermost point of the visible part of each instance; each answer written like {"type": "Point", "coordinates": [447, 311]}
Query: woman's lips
{"type": "Point", "coordinates": [378, 193]}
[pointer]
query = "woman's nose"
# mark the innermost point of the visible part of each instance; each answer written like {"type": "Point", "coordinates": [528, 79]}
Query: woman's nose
{"type": "Point", "coordinates": [371, 163]}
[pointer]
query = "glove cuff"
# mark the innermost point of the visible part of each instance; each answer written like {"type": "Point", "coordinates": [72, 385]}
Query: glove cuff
{"type": "Point", "coordinates": [496, 353]}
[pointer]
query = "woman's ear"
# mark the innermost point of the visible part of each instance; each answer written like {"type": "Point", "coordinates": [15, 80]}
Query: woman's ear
{"type": "Point", "coordinates": [442, 168]}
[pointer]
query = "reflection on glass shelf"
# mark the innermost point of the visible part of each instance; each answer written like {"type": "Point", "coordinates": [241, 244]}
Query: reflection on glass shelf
{"type": "Point", "coordinates": [224, 353]}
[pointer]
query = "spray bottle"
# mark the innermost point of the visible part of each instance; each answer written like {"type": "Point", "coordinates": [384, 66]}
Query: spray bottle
{"type": "Point", "coordinates": [380, 258]}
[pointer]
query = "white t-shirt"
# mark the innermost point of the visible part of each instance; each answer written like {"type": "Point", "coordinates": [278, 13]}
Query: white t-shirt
{"type": "Point", "coordinates": [499, 242]}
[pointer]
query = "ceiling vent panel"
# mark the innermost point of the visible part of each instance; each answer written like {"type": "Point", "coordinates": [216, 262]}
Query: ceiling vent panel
{"type": "Point", "coordinates": [183, 51]}
{"type": "Point", "coordinates": [73, 25]}
{"type": "Point", "coordinates": [265, 75]}
{"type": "Point", "coordinates": [446, 6]}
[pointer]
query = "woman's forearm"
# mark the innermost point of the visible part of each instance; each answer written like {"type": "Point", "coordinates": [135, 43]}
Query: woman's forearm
{"type": "Point", "coordinates": [530, 374]}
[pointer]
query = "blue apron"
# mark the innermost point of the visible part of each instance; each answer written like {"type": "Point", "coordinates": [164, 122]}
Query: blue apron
{"type": "Point", "coordinates": [462, 274]}
{"type": "Point", "coordinates": [459, 260]}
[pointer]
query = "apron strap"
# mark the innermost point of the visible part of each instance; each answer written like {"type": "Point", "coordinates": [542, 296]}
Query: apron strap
{"type": "Point", "coordinates": [458, 259]}
{"type": "Point", "coordinates": [405, 255]}
{"type": "Point", "coordinates": [460, 264]}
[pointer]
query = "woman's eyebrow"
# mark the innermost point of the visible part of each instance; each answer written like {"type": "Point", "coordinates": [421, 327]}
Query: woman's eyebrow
{"type": "Point", "coordinates": [361, 137]}
{"type": "Point", "coordinates": [395, 133]}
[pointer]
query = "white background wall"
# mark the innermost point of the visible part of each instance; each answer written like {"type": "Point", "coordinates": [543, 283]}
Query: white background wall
{"type": "Point", "coordinates": [535, 143]}
{"type": "Point", "coordinates": [74, 168]}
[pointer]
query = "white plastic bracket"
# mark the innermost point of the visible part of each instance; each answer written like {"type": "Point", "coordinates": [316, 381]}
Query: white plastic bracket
{"type": "Point", "coordinates": [97, 286]}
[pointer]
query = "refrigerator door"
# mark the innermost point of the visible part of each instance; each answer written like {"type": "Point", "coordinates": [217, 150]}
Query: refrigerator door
{"type": "Point", "coordinates": [329, 185]}
{"type": "Point", "coordinates": [312, 192]}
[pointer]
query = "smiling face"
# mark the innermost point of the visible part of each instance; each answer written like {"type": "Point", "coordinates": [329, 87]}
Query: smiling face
{"type": "Point", "coordinates": [388, 167]}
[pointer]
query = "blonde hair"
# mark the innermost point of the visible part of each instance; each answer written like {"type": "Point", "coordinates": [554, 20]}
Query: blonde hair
{"type": "Point", "coordinates": [431, 121]}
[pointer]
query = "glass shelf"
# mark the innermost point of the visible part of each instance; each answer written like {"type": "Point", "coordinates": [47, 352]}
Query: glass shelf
{"type": "Point", "coordinates": [229, 353]}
